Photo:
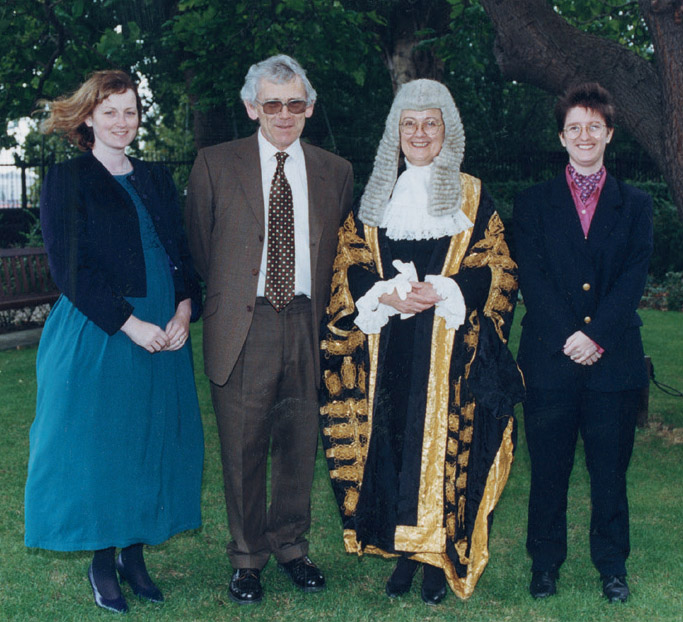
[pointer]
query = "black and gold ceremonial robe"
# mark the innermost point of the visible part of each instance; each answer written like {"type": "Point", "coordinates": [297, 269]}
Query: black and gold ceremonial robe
{"type": "Point", "coordinates": [417, 420]}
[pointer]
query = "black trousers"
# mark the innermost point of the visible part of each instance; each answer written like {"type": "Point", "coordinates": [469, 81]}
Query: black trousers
{"type": "Point", "coordinates": [552, 421]}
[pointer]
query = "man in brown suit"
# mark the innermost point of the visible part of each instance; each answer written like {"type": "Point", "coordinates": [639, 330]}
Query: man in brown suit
{"type": "Point", "coordinates": [260, 347]}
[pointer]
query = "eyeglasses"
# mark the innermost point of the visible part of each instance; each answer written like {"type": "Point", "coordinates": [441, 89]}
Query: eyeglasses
{"type": "Point", "coordinates": [574, 130]}
{"type": "Point", "coordinates": [410, 126]}
{"type": "Point", "coordinates": [273, 106]}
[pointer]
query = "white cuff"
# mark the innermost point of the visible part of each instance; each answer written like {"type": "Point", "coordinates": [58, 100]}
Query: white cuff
{"type": "Point", "coordinates": [373, 314]}
{"type": "Point", "coordinates": [452, 307]}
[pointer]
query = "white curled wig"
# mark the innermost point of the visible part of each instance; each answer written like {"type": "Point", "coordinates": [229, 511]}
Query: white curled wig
{"type": "Point", "coordinates": [444, 193]}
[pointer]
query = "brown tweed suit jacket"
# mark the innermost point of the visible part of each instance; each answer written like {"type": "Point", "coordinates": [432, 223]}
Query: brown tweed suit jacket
{"type": "Point", "coordinates": [224, 217]}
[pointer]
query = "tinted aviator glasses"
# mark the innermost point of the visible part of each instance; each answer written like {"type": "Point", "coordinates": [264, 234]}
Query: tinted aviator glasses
{"type": "Point", "coordinates": [573, 131]}
{"type": "Point", "coordinates": [273, 106]}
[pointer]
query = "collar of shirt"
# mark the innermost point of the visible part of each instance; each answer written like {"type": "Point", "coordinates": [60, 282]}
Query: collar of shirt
{"type": "Point", "coordinates": [586, 210]}
{"type": "Point", "coordinates": [406, 216]}
{"type": "Point", "coordinates": [267, 152]}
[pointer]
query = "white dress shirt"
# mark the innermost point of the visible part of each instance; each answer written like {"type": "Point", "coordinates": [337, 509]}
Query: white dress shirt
{"type": "Point", "coordinates": [295, 171]}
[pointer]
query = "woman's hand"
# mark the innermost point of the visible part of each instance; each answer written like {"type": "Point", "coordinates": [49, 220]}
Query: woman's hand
{"type": "Point", "coordinates": [145, 334]}
{"type": "Point", "coordinates": [581, 349]}
{"type": "Point", "coordinates": [178, 327]}
{"type": "Point", "coordinates": [422, 296]}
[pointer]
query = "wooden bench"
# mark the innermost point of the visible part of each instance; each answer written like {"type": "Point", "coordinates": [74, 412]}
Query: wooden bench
{"type": "Point", "coordinates": [25, 279]}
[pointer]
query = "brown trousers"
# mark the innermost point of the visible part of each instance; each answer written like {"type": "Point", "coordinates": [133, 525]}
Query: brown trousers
{"type": "Point", "coordinates": [270, 402]}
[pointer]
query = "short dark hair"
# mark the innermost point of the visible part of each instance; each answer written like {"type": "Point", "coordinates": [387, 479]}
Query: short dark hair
{"type": "Point", "coordinates": [587, 95]}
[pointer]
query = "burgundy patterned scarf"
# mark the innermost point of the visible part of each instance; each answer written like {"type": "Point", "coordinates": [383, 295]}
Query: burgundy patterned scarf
{"type": "Point", "coordinates": [585, 183]}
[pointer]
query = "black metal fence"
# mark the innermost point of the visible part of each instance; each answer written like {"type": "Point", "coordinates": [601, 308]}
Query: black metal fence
{"type": "Point", "coordinates": [20, 181]}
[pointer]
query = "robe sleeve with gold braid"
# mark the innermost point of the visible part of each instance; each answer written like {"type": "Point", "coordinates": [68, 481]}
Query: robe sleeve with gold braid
{"type": "Point", "coordinates": [473, 383]}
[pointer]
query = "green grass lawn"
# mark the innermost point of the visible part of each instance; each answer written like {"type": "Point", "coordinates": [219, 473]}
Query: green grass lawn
{"type": "Point", "coordinates": [193, 571]}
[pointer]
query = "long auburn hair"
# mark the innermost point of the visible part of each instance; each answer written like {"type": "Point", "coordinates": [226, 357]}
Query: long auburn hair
{"type": "Point", "coordinates": [68, 113]}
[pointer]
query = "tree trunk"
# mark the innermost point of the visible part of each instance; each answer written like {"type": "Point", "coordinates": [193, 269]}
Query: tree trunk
{"type": "Point", "coordinates": [209, 126]}
{"type": "Point", "coordinates": [537, 46]}
{"type": "Point", "coordinates": [665, 22]}
{"type": "Point", "coordinates": [406, 55]}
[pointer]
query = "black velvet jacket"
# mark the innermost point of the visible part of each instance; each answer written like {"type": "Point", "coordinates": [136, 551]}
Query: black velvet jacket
{"type": "Point", "coordinates": [92, 235]}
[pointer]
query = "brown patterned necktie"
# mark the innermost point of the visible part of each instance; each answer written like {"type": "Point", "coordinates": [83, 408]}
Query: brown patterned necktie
{"type": "Point", "coordinates": [280, 270]}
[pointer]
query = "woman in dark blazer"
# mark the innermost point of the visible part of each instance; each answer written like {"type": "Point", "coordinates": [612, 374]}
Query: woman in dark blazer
{"type": "Point", "coordinates": [116, 448]}
{"type": "Point", "coordinates": [583, 242]}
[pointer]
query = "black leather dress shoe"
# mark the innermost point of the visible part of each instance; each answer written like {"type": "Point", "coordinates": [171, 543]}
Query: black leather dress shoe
{"type": "Point", "coordinates": [117, 605]}
{"type": "Point", "coordinates": [149, 592]}
{"type": "Point", "coordinates": [543, 583]}
{"type": "Point", "coordinates": [304, 574]}
{"type": "Point", "coordinates": [245, 586]}
{"type": "Point", "coordinates": [615, 588]}
{"type": "Point", "coordinates": [433, 585]}
{"type": "Point", "coordinates": [402, 578]}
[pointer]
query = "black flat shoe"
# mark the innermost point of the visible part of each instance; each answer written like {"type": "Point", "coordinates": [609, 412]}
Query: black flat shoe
{"type": "Point", "coordinates": [402, 578]}
{"type": "Point", "coordinates": [433, 585]}
{"type": "Point", "coordinates": [615, 588]}
{"type": "Point", "coordinates": [117, 605]}
{"type": "Point", "coordinates": [304, 574]}
{"type": "Point", "coordinates": [245, 586]}
{"type": "Point", "coordinates": [149, 592]}
{"type": "Point", "coordinates": [543, 583]}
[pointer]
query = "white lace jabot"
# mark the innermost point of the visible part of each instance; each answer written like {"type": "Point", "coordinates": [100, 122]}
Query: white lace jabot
{"type": "Point", "coordinates": [406, 216]}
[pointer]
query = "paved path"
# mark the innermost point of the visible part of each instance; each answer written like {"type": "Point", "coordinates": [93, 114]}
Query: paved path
{"type": "Point", "coordinates": [20, 339]}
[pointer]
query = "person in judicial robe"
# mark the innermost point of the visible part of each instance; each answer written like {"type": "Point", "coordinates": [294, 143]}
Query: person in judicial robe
{"type": "Point", "coordinates": [418, 383]}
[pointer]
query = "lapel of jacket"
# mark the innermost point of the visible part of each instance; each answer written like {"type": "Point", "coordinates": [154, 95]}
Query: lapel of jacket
{"type": "Point", "coordinates": [315, 178]}
{"type": "Point", "coordinates": [606, 213]}
{"type": "Point", "coordinates": [101, 183]}
{"type": "Point", "coordinates": [248, 171]}
{"type": "Point", "coordinates": [562, 232]}
{"type": "Point", "coordinates": [561, 220]}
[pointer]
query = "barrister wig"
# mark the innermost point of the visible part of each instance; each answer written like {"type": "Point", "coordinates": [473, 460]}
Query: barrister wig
{"type": "Point", "coordinates": [444, 193]}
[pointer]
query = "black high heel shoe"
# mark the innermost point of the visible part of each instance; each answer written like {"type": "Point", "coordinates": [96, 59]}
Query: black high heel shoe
{"type": "Point", "coordinates": [117, 605]}
{"type": "Point", "coordinates": [149, 592]}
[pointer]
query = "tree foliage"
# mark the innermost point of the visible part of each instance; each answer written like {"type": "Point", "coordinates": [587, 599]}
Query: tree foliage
{"type": "Point", "coordinates": [215, 42]}
{"type": "Point", "coordinates": [504, 61]}
{"type": "Point", "coordinates": [47, 47]}
{"type": "Point", "coordinates": [537, 45]}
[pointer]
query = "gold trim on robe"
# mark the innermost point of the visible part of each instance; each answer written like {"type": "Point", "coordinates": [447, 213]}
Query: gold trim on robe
{"type": "Point", "coordinates": [447, 429]}
{"type": "Point", "coordinates": [430, 534]}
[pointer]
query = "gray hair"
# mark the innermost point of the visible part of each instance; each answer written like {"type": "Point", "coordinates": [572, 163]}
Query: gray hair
{"type": "Point", "coordinates": [279, 69]}
{"type": "Point", "coordinates": [444, 192]}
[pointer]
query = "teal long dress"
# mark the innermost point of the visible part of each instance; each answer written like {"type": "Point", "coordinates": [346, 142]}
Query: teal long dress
{"type": "Point", "coordinates": [116, 448]}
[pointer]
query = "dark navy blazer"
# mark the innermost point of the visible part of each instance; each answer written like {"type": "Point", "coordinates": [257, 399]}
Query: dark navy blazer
{"type": "Point", "coordinates": [591, 284]}
{"type": "Point", "coordinates": [92, 236]}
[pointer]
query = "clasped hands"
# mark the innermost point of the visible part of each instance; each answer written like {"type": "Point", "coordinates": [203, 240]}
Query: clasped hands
{"type": "Point", "coordinates": [410, 296]}
{"type": "Point", "coordinates": [422, 296]}
{"type": "Point", "coordinates": [581, 349]}
{"type": "Point", "coordinates": [155, 339]}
